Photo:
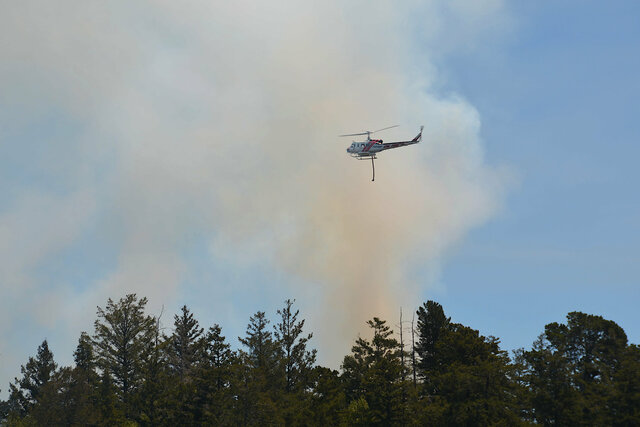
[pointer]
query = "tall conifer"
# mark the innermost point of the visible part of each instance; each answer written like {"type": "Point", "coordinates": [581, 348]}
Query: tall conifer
{"type": "Point", "coordinates": [122, 337]}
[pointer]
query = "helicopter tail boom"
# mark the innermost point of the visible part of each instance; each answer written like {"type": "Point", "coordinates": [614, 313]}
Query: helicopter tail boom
{"type": "Point", "coordinates": [389, 145]}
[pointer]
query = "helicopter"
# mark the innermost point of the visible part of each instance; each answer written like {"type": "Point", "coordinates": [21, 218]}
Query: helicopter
{"type": "Point", "coordinates": [369, 148]}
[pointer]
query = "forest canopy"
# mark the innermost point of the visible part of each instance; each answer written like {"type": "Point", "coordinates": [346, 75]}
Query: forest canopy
{"type": "Point", "coordinates": [129, 371]}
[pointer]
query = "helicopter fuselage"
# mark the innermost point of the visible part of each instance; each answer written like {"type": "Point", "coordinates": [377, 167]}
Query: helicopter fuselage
{"type": "Point", "coordinates": [371, 147]}
{"type": "Point", "coordinates": [366, 148]}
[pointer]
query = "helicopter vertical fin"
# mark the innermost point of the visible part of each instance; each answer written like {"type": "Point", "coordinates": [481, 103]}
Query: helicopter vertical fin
{"type": "Point", "coordinates": [419, 136]}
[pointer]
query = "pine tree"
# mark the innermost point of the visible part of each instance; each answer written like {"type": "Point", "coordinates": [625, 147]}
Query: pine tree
{"type": "Point", "coordinates": [374, 373]}
{"type": "Point", "coordinates": [262, 351]}
{"type": "Point", "coordinates": [472, 381]}
{"type": "Point", "coordinates": [185, 345]}
{"type": "Point", "coordinates": [81, 387]}
{"type": "Point", "coordinates": [36, 374]}
{"type": "Point", "coordinates": [625, 406]}
{"type": "Point", "coordinates": [84, 356]}
{"type": "Point", "coordinates": [572, 371]}
{"type": "Point", "coordinates": [4, 412]}
{"type": "Point", "coordinates": [257, 380]}
{"type": "Point", "coordinates": [218, 354]}
{"type": "Point", "coordinates": [109, 409]}
{"type": "Point", "coordinates": [297, 360]}
{"type": "Point", "coordinates": [214, 380]}
{"type": "Point", "coordinates": [467, 378]}
{"type": "Point", "coordinates": [328, 400]}
{"type": "Point", "coordinates": [297, 363]}
{"type": "Point", "coordinates": [431, 324]}
{"type": "Point", "coordinates": [153, 396]}
{"type": "Point", "coordinates": [579, 373]}
{"type": "Point", "coordinates": [122, 337]}
{"type": "Point", "coordinates": [185, 356]}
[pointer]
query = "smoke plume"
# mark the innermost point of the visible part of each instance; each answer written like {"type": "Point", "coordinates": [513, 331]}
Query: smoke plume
{"type": "Point", "coordinates": [220, 120]}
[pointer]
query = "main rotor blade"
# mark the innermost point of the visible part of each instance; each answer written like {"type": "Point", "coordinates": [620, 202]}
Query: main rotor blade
{"type": "Point", "coordinates": [394, 126]}
{"type": "Point", "coordinates": [356, 134]}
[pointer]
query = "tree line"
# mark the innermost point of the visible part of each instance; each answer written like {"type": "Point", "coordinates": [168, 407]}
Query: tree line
{"type": "Point", "coordinates": [129, 372]}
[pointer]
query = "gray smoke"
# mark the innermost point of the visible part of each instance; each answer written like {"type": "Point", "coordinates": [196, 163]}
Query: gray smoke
{"type": "Point", "coordinates": [220, 119]}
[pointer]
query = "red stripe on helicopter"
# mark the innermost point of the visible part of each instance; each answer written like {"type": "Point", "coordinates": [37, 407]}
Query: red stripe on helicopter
{"type": "Point", "coordinates": [370, 144]}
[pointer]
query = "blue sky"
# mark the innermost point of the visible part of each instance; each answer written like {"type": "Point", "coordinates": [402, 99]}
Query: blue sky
{"type": "Point", "coordinates": [559, 102]}
{"type": "Point", "coordinates": [189, 154]}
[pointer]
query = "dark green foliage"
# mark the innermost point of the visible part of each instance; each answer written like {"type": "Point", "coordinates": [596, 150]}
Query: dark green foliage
{"type": "Point", "coordinates": [257, 379]}
{"type": "Point", "coordinates": [626, 400]}
{"type": "Point", "coordinates": [184, 351]}
{"type": "Point", "coordinates": [579, 373]}
{"type": "Point", "coordinates": [185, 345]}
{"type": "Point", "coordinates": [372, 375]}
{"type": "Point", "coordinates": [472, 380]}
{"type": "Point", "coordinates": [213, 382]}
{"type": "Point", "coordinates": [328, 401]}
{"type": "Point", "coordinates": [4, 410]}
{"type": "Point", "coordinates": [296, 359]}
{"type": "Point", "coordinates": [431, 324]}
{"type": "Point", "coordinates": [84, 356]}
{"type": "Point", "coordinates": [262, 351]}
{"type": "Point", "coordinates": [218, 357]}
{"type": "Point", "coordinates": [78, 387]}
{"type": "Point", "coordinates": [296, 363]}
{"type": "Point", "coordinates": [467, 379]}
{"type": "Point", "coordinates": [124, 339]}
{"type": "Point", "coordinates": [109, 409]}
{"type": "Point", "coordinates": [67, 399]}
{"type": "Point", "coordinates": [151, 398]}
{"type": "Point", "coordinates": [575, 374]}
{"type": "Point", "coordinates": [28, 391]}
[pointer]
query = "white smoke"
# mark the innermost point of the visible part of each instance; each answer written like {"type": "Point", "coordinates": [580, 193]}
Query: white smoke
{"type": "Point", "coordinates": [220, 119]}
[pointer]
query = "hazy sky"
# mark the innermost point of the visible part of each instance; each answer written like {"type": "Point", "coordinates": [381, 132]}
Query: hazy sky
{"type": "Point", "coordinates": [189, 153]}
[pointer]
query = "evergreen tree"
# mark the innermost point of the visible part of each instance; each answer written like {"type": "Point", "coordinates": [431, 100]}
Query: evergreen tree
{"type": "Point", "coordinates": [431, 324]}
{"type": "Point", "coordinates": [36, 374]}
{"type": "Point", "coordinates": [472, 381]}
{"type": "Point", "coordinates": [185, 348]}
{"type": "Point", "coordinates": [547, 374]}
{"type": "Point", "coordinates": [122, 337]}
{"type": "Point", "coordinates": [185, 357]}
{"type": "Point", "coordinates": [373, 373]}
{"type": "Point", "coordinates": [109, 409]}
{"type": "Point", "coordinates": [257, 379]}
{"type": "Point", "coordinates": [297, 360]}
{"type": "Point", "coordinates": [153, 396]}
{"type": "Point", "coordinates": [214, 380]}
{"type": "Point", "coordinates": [626, 402]}
{"type": "Point", "coordinates": [579, 373]}
{"type": "Point", "coordinates": [4, 412]}
{"type": "Point", "coordinates": [81, 386]}
{"type": "Point", "coordinates": [328, 401]}
{"type": "Point", "coordinates": [262, 351]}
{"type": "Point", "coordinates": [467, 379]}
{"type": "Point", "coordinates": [84, 356]}
{"type": "Point", "coordinates": [572, 371]}
{"type": "Point", "coordinates": [55, 405]}
{"type": "Point", "coordinates": [296, 363]}
{"type": "Point", "coordinates": [218, 356]}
